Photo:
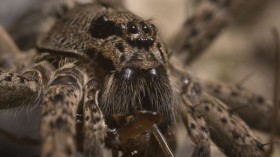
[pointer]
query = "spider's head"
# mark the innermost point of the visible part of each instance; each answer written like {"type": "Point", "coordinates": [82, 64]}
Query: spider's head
{"type": "Point", "coordinates": [138, 79]}
{"type": "Point", "coordinates": [129, 52]}
{"type": "Point", "coordinates": [128, 41]}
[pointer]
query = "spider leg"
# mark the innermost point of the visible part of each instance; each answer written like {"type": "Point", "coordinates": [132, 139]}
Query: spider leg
{"type": "Point", "coordinates": [11, 59]}
{"type": "Point", "coordinates": [26, 89]}
{"type": "Point", "coordinates": [197, 130]}
{"type": "Point", "coordinates": [8, 49]}
{"type": "Point", "coordinates": [243, 102]}
{"type": "Point", "coordinates": [37, 21]}
{"type": "Point", "coordinates": [94, 129]}
{"type": "Point", "coordinates": [199, 31]}
{"type": "Point", "coordinates": [59, 108]}
{"type": "Point", "coordinates": [227, 130]}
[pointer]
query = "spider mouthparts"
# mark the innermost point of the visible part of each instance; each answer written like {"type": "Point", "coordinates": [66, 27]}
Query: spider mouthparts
{"type": "Point", "coordinates": [131, 90]}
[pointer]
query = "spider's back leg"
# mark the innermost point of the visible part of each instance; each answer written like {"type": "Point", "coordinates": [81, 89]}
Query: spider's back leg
{"type": "Point", "coordinates": [37, 21]}
{"type": "Point", "coordinates": [209, 18]}
{"type": "Point", "coordinates": [11, 58]}
{"type": "Point", "coordinates": [253, 108]}
{"type": "Point", "coordinates": [8, 51]}
{"type": "Point", "coordinates": [227, 130]}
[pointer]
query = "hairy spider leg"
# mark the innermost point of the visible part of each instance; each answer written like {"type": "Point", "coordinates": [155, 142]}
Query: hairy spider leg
{"type": "Point", "coordinates": [59, 107]}
{"type": "Point", "coordinates": [200, 30]}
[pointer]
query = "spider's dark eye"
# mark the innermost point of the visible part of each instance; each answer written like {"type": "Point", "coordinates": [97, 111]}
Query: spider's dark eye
{"type": "Point", "coordinates": [102, 27]}
{"type": "Point", "coordinates": [120, 29]}
{"type": "Point", "coordinates": [146, 28]}
{"type": "Point", "coordinates": [132, 28]}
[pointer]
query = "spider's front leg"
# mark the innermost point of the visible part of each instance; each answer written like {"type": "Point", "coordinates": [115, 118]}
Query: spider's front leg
{"type": "Point", "coordinates": [59, 108]}
{"type": "Point", "coordinates": [26, 89]}
{"type": "Point", "coordinates": [94, 128]}
{"type": "Point", "coordinates": [243, 102]}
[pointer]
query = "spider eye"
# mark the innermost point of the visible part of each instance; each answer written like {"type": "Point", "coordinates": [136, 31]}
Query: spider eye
{"type": "Point", "coordinates": [119, 29]}
{"type": "Point", "coordinates": [132, 28]}
{"type": "Point", "coordinates": [102, 27]}
{"type": "Point", "coordinates": [146, 28]}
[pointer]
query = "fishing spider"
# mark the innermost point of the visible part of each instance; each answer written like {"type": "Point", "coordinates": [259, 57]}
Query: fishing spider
{"type": "Point", "coordinates": [103, 77]}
